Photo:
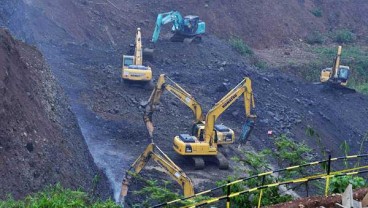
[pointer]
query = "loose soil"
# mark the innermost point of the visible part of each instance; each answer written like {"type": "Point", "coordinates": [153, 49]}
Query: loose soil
{"type": "Point", "coordinates": [40, 140]}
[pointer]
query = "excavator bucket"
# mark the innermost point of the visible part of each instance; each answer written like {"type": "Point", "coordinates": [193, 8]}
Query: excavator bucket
{"type": "Point", "coordinates": [124, 191]}
{"type": "Point", "coordinates": [148, 53]}
{"type": "Point", "coordinates": [246, 130]}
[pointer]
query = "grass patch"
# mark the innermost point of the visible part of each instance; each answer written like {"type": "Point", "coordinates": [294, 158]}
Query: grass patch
{"type": "Point", "coordinates": [343, 36]}
{"type": "Point", "coordinates": [239, 45]}
{"type": "Point", "coordinates": [315, 38]}
{"type": "Point", "coordinates": [57, 196]}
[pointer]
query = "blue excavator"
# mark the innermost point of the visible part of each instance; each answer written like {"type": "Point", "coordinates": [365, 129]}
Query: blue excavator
{"type": "Point", "coordinates": [188, 28]}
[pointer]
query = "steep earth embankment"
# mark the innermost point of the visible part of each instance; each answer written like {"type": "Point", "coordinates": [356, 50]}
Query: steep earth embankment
{"type": "Point", "coordinates": [40, 140]}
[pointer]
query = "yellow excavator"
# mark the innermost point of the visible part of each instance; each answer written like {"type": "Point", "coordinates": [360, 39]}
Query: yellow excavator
{"type": "Point", "coordinates": [338, 75]}
{"type": "Point", "coordinates": [133, 69]}
{"type": "Point", "coordinates": [204, 146]}
{"type": "Point", "coordinates": [224, 134]}
{"type": "Point", "coordinates": [203, 143]}
{"type": "Point", "coordinates": [152, 151]}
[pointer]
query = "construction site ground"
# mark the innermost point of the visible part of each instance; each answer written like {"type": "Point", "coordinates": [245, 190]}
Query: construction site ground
{"type": "Point", "coordinates": [83, 43]}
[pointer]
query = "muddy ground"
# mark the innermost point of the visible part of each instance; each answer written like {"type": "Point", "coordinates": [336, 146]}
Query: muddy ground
{"type": "Point", "coordinates": [83, 42]}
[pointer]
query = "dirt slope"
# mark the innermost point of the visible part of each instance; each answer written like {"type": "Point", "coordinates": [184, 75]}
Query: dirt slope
{"type": "Point", "coordinates": [40, 141]}
{"type": "Point", "coordinates": [83, 41]}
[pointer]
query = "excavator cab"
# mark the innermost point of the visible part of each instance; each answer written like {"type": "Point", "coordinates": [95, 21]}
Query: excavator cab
{"type": "Point", "coordinates": [344, 72]}
{"type": "Point", "coordinates": [128, 60]}
{"type": "Point", "coordinates": [190, 24]}
{"type": "Point", "coordinates": [223, 134]}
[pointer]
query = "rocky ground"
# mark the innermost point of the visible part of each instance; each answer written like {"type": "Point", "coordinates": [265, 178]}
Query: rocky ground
{"type": "Point", "coordinates": [83, 42]}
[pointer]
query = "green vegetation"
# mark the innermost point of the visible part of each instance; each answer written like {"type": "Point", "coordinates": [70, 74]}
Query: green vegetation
{"type": "Point", "coordinates": [258, 163]}
{"type": "Point", "coordinates": [260, 64]}
{"type": "Point", "coordinates": [249, 200]}
{"type": "Point", "coordinates": [287, 152]}
{"type": "Point", "coordinates": [343, 36]}
{"type": "Point", "coordinates": [315, 38]}
{"type": "Point", "coordinates": [291, 152]}
{"type": "Point", "coordinates": [239, 45]}
{"type": "Point", "coordinates": [339, 184]}
{"type": "Point", "coordinates": [317, 12]}
{"type": "Point", "coordinates": [158, 191]}
{"type": "Point", "coordinates": [57, 197]}
{"type": "Point", "coordinates": [155, 193]}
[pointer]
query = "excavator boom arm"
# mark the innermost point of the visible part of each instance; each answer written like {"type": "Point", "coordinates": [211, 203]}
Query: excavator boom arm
{"type": "Point", "coordinates": [138, 48]}
{"type": "Point", "coordinates": [164, 18]}
{"type": "Point", "coordinates": [335, 72]}
{"type": "Point", "coordinates": [244, 87]}
{"type": "Point", "coordinates": [186, 98]}
{"type": "Point", "coordinates": [178, 92]}
{"type": "Point", "coordinates": [165, 162]}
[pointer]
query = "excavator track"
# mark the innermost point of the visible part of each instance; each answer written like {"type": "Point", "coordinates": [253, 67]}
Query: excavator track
{"type": "Point", "coordinates": [331, 87]}
{"type": "Point", "coordinates": [222, 162]}
{"type": "Point", "coordinates": [198, 162]}
{"type": "Point", "coordinates": [186, 39]}
{"type": "Point", "coordinates": [177, 38]}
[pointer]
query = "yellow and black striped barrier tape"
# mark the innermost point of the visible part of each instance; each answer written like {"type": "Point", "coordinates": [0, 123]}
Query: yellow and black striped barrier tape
{"type": "Point", "coordinates": [260, 175]}
{"type": "Point", "coordinates": [300, 180]}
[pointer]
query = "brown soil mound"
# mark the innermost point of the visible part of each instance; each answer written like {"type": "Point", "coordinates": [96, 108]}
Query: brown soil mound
{"type": "Point", "coordinates": [40, 141]}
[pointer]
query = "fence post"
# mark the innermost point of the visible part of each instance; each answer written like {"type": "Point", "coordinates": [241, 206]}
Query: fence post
{"type": "Point", "coordinates": [228, 194]}
{"type": "Point", "coordinates": [261, 193]}
{"type": "Point", "coordinates": [328, 173]}
{"type": "Point", "coordinates": [307, 187]}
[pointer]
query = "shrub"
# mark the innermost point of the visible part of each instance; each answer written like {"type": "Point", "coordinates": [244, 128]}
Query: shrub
{"type": "Point", "coordinates": [57, 196]}
{"type": "Point", "coordinates": [239, 45]}
{"type": "Point", "coordinates": [339, 184]}
{"type": "Point", "coordinates": [363, 88]}
{"type": "Point", "coordinates": [315, 38]}
{"type": "Point", "coordinates": [270, 195]}
{"type": "Point", "coordinates": [291, 152]}
{"type": "Point", "coordinates": [343, 36]}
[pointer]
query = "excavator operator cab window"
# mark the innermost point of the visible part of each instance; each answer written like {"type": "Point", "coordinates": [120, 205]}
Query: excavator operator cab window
{"type": "Point", "coordinates": [128, 61]}
{"type": "Point", "coordinates": [201, 137]}
{"type": "Point", "coordinates": [191, 23]}
{"type": "Point", "coordinates": [344, 73]}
